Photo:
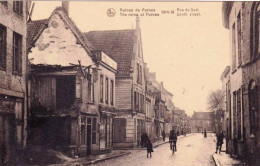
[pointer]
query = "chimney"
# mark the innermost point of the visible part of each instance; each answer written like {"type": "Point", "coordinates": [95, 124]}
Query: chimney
{"type": "Point", "coordinates": [137, 24]}
{"type": "Point", "coordinates": [65, 6]}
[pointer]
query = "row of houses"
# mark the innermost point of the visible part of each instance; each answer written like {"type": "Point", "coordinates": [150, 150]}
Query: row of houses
{"type": "Point", "coordinates": [78, 92]}
{"type": "Point", "coordinates": [240, 80]}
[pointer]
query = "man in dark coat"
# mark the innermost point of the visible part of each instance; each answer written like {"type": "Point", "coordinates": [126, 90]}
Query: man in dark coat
{"type": "Point", "coordinates": [163, 136]}
{"type": "Point", "coordinates": [149, 147]}
{"type": "Point", "coordinates": [220, 138]}
{"type": "Point", "coordinates": [205, 133]}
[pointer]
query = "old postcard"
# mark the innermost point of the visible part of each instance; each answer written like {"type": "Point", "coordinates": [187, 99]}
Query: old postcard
{"type": "Point", "coordinates": [129, 83]}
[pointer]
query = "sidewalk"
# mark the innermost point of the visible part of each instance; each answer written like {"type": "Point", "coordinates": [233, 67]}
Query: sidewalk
{"type": "Point", "coordinates": [224, 159]}
{"type": "Point", "coordinates": [93, 159]}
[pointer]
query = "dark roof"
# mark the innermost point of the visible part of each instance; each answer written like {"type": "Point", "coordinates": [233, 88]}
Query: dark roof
{"type": "Point", "coordinates": [34, 28]}
{"type": "Point", "coordinates": [117, 44]}
{"type": "Point", "coordinates": [202, 116]}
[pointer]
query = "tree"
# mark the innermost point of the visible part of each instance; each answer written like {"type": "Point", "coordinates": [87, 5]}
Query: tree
{"type": "Point", "coordinates": [215, 100]}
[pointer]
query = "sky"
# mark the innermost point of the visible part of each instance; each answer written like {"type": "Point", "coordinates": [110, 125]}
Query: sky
{"type": "Point", "coordinates": [188, 53]}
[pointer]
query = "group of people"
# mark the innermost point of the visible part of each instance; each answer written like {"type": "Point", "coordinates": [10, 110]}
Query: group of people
{"type": "Point", "coordinates": [173, 142]}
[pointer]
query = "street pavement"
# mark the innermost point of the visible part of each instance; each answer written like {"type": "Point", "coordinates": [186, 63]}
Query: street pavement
{"type": "Point", "coordinates": [193, 150]}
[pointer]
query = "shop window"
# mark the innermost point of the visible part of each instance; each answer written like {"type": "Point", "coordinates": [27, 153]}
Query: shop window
{"type": "Point", "coordinates": [2, 47]}
{"type": "Point", "coordinates": [17, 53]}
{"type": "Point", "coordinates": [83, 131]}
{"type": "Point", "coordinates": [253, 108]}
{"type": "Point", "coordinates": [94, 131]}
{"type": "Point", "coordinates": [18, 7]}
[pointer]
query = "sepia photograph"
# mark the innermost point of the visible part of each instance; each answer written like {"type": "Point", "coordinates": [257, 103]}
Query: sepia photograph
{"type": "Point", "coordinates": [129, 83]}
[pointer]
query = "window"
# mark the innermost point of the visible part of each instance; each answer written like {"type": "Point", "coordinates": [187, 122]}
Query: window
{"type": "Point", "coordinates": [256, 26]}
{"type": "Point", "coordinates": [101, 88]}
{"type": "Point", "coordinates": [112, 92]}
{"type": "Point", "coordinates": [90, 89]}
{"type": "Point", "coordinates": [2, 47]}
{"type": "Point", "coordinates": [137, 101]}
{"type": "Point", "coordinates": [94, 131]}
{"type": "Point", "coordinates": [138, 72]}
{"type": "Point", "coordinates": [233, 47]}
{"type": "Point", "coordinates": [17, 53]}
{"type": "Point", "coordinates": [253, 108]}
{"type": "Point", "coordinates": [83, 130]}
{"type": "Point", "coordinates": [106, 91]}
{"type": "Point", "coordinates": [4, 2]}
{"type": "Point", "coordinates": [239, 38]}
{"type": "Point", "coordinates": [234, 113]}
{"type": "Point", "coordinates": [239, 129]}
{"type": "Point", "coordinates": [18, 7]}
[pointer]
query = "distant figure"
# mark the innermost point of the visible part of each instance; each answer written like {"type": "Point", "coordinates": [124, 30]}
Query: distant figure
{"type": "Point", "coordinates": [149, 147]}
{"type": "Point", "coordinates": [220, 138]}
{"type": "Point", "coordinates": [205, 133]}
{"type": "Point", "coordinates": [178, 133]}
{"type": "Point", "coordinates": [163, 136]}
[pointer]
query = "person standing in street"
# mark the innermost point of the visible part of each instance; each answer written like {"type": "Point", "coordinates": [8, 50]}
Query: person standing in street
{"type": "Point", "coordinates": [149, 147]}
{"type": "Point", "coordinates": [220, 138]}
{"type": "Point", "coordinates": [205, 133]}
{"type": "Point", "coordinates": [163, 136]}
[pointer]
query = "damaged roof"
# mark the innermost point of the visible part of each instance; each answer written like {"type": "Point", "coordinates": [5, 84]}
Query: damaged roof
{"type": "Point", "coordinates": [117, 44]}
{"type": "Point", "coordinates": [35, 28]}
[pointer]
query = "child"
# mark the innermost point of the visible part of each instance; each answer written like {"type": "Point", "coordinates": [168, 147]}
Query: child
{"type": "Point", "coordinates": [149, 146]}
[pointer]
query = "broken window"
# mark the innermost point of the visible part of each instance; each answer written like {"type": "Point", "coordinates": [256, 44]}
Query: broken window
{"type": "Point", "coordinates": [17, 53]}
{"type": "Point", "coordinates": [65, 91]}
{"type": "Point", "coordinates": [18, 7]}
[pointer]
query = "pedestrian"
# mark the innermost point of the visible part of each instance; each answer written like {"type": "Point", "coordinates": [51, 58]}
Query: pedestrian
{"type": "Point", "coordinates": [205, 133]}
{"type": "Point", "coordinates": [220, 138]}
{"type": "Point", "coordinates": [163, 136]}
{"type": "Point", "coordinates": [149, 147]}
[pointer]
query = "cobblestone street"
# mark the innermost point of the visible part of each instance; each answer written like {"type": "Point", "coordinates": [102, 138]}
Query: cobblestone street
{"type": "Point", "coordinates": [192, 150]}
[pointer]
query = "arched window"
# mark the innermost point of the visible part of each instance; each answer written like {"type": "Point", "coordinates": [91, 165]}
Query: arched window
{"type": "Point", "coordinates": [253, 107]}
{"type": "Point", "coordinates": [256, 30]}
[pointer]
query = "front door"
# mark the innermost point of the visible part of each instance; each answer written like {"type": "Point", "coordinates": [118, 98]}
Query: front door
{"type": "Point", "coordinates": [7, 137]}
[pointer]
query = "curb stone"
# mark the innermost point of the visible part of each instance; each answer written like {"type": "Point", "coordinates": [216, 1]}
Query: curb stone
{"type": "Point", "coordinates": [107, 158]}
{"type": "Point", "coordinates": [215, 161]}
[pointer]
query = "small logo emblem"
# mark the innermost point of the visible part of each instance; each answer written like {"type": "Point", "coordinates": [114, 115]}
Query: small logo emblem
{"type": "Point", "coordinates": [111, 12]}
